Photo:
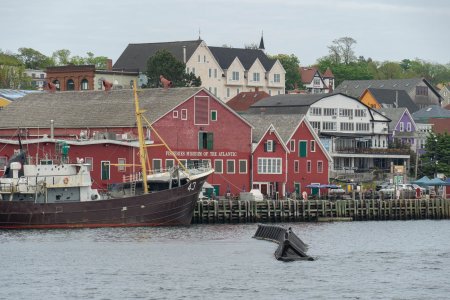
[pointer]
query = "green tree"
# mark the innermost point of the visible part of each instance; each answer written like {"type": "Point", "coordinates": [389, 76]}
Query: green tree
{"type": "Point", "coordinates": [389, 70]}
{"type": "Point", "coordinates": [165, 64]}
{"type": "Point", "coordinates": [341, 50]}
{"type": "Point", "coordinates": [98, 61]}
{"type": "Point", "coordinates": [12, 72]}
{"type": "Point", "coordinates": [61, 57]}
{"type": "Point", "coordinates": [33, 59]}
{"type": "Point", "coordinates": [437, 156]}
{"type": "Point", "coordinates": [291, 65]}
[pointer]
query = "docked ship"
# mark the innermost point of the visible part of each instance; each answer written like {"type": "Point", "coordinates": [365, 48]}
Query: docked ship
{"type": "Point", "coordinates": [61, 195]}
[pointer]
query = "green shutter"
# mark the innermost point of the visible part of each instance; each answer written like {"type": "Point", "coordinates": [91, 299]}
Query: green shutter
{"type": "Point", "coordinates": [105, 170]}
{"type": "Point", "coordinates": [213, 115]}
{"type": "Point", "coordinates": [302, 148]}
{"type": "Point", "coordinates": [200, 140]}
{"type": "Point", "coordinates": [210, 140]}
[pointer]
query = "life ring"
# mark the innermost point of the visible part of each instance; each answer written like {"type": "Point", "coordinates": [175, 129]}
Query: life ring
{"type": "Point", "coordinates": [66, 180]}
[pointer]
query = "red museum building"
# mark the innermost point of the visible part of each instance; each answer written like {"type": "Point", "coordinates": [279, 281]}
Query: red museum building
{"type": "Point", "coordinates": [100, 128]}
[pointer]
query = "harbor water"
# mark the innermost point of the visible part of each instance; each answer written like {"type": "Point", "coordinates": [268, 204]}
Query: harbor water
{"type": "Point", "coordinates": [354, 260]}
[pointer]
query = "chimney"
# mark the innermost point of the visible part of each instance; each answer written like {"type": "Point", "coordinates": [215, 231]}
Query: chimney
{"type": "Point", "coordinates": [184, 54]}
{"type": "Point", "coordinates": [109, 64]}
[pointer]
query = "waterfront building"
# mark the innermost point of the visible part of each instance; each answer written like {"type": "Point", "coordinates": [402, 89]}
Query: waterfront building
{"type": "Point", "coordinates": [402, 128]}
{"type": "Point", "coordinates": [384, 98]}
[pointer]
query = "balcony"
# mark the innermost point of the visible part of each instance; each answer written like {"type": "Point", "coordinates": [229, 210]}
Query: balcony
{"type": "Point", "coordinates": [378, 151]}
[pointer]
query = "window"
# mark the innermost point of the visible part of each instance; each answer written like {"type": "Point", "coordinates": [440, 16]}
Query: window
{"type": "Point", "coordinates": [187, 70]}
{"type": "Point", "coordinates": [362, 126]}
{"type": "Point", "coordinates": [84, 84]}
{"type": "Point", "coordinates": [345, 112]}
{"type": "Point", "coordinates": [346, 126]}
{"type": "Point", "coordinates": [315, 125]}
{"type": "Point", "coordinates": [308, 166]}
{"type": "Point", "coordinates": [90, 162]}
{"type": "Point", "coordinates": [193, 71]}
{"type": "Point", "coordinates": [421, 90]}
{"type": "Point", "coordinates": [312, 145]}
{"type": "Point", "coordinates": [58, 87]}
{"type": "Point", "coordinates": [205, 140]}
{"type": "Point", "coordinates": [157, 165]}
{"type": "Point", "coordinates": [316, 81]}
{"type": "Point", "coordinates": [230, 166]}
{"type": "Point", "coordinates": [408, 126]}
{"type": "Point", "coordinates": [302, 148]}
{"type": "Point", "coordinates": [360, 112]}
{"type": "Point", "coordinates": [70, 85]}
{"type": "Point", "coordinates": [209, 72]}
{"type": "Point", "coordinates": [105, 165]}
{"type": "Point", "coordinates": [183, 162]}
{"type": "Point", "coordinates": [218, 166]}
{"type": "Point", "coordinates": [237, 91]}
{"type": "Point", "coordinates": [242, 166]}
{"type": "Point", "coordinates": [198, 58]}
{"type": "Point", "coordinates": [330, 111]}
{"type": "Point", "coordinates": [3, 162]}
{"type": "Point", "coordinates": [276, 78]}
{"type": "Point", "coordinates": [319, 166]}
{"type": "Point", "coordinates": [170, 163]}
{"type": "Point", "coordinates": [213, 115]}
{"type": "Point", "coordinates": [329, 126]}
{"type": "Point", "coordinates": [269, 165]}
{"type": "Point", "coordinates": [46, 162]}
{"type": "Point", "coordinates": [315, 111]}
{"type": "Point", "coordinates": [228, 92]}
{"type": "Point", "coordinates": [269, 146]}
{"type": "Point", "coordinates": [201, 104]}
{"type": "Point", "coordinates": [121, 164]}
{"type": "Point", "coordinates": [175, 114]}
{"type": "Point", "coordinates": [292, 145]}
{"type": "Point", "coordinates": [256, 77]}
{"type": "Point", "coordinates": [235, 76]}
{"type": "Point", "coordinates": [215, 73]}
{"type": "Point", "coordinates": [296, 166]}
{"type": "Point", "coordinates": [184, 114]}
{"type": "Point", "coordinates": [204, 58]}
{"type": "Point", "coordinates": [402, 126]}
{"type": "Point", "coordinates": [215, 91]}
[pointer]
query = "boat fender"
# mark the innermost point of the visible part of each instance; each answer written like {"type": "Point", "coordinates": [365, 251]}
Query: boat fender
{"type": "Point", "coordinates": [66, 180]}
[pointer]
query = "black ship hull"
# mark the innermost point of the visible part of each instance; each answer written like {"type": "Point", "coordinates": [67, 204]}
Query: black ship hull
{"type": "Point", "coordinates": [169, 207]}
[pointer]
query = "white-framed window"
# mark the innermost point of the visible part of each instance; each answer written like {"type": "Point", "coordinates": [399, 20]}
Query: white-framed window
{"type": "Point", "coordinates": [228, 92]}
{"type": "Point", "coordinates": [242, 166]}
{"type": "Point", "coordinates": [346, 112]}
{"type": "Point", "coordinates": [170, 163]}
{"type": "Point", "coordinates": [316, 81]}
{"type": "Point", "coordinates": [213, 115]}
{"type": "Point", "coordinates": [175, 114]}
{"type": "Point", "coordinates": [184, 114]}
{"type": "Point", "coordinates": [193, 71]}
{"type": "Point", "coordinates": [269, 165]}
{"type": "Point", "coordinates": [3, 162]}
{"type": "Point", "coordinates": [256, 77]}
{"type": "Point", "coordinates": [315, 111]}
{"type": "Point", "coordinates": [235, 76]}
{"type": "Point", "coordinates": [408, 126]}
{"type": "Point", "coordinates": [157, 165]}
{"type": "Point", "coordinates": [276, 78]}
{"type": "Point", "coordinates": [329, 126]}
{"type": "Point", "coordinates": [238, 91]}
{"type": "Point", "coordinates": [292, 145]}
{"type": "Point", "coordinates": [90, 162]}
{"type": "Point", "coordinates": [121, 165]}
{"type": "Point", "coordinates": [312, 146]}
{"type": "Point", "coordinates": [360, 112]}
{"type": "Point", "coordinates": [269, 146]}
{"type": "Point", "coordinates": [204, 58]}
{"type": "Point", "coordinates": [218, 166]}
{"type": "Point", "coordinates": [209, 72]}
{"type": "Point", "coordinates": [402, 126]}
{"type": "Point", "coordinates": [296, 166]}
{"type": "Point", "coordinates": [198, 58]}
{"type": "Point", "coordinates": [215, 73]}
{"type": "Point", "coordinates": [308, 166]}
{"type": "Point", "coordinates": [315, 124]}
{"type": "Point", "coordinates": [347, 126]}
{"type": "Point", "coordinates": [183, 162]}
{"type": "Point", "coordinates": [215, 91]}
{"type": "Point", "coordinates": [319, 166]}
{"type": "Point", "coordinates": [330, 111]}
{"type": "Point", "coordinates": [362, 126]}
{"type": "Point", "coordinates": [231, 166]}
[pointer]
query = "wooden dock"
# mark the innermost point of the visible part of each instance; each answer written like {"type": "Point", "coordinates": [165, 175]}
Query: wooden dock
{"type": "Point", "coordinates": [243, 211]}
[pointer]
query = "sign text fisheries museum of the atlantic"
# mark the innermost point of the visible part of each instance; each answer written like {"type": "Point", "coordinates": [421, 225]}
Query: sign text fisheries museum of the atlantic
{"type": "Point", "coordinates": [202, 153]}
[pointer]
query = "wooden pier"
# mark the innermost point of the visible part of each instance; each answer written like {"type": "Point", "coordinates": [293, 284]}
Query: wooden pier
{"type": "Point", "coordinates": [243, 211]}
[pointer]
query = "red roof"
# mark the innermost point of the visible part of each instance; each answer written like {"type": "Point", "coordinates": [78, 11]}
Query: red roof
{"type": "Point", "coordinates": [328, 73]}
{"type": "Point", "coordinates": [307, 74]}
{"type": "Point", "coordinates": [243, 100]}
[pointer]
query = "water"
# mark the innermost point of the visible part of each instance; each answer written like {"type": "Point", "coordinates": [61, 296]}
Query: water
{"type": "Point", "coordinates": [355, 260]}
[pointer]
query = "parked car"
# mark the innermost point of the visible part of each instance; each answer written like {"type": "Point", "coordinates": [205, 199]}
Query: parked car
{"type": "Point", "coordinates": [382, 186]}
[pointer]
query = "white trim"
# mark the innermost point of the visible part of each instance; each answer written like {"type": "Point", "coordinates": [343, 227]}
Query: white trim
{"type": "Point", "coordinates": [292, 145]}
{"type": "Point", "coordinates": [234, 166]}
{"type": "Point", "coordinates": [91, 167]}
{"type": "Point", "coordinates": [318, 170]}
{"type": "Point", "coordinates": [175, 114]}
{"type": "Point", "coordinates": [169, 159]}
{"type": "Point", "coordinates": [217, 117]}
{"type": "Point", "coordinates": [195, 110]}
{"type": "Point", "coordinates": [121, 168]}
{"type": "Point", "coordinates": [102, 163]}
{"type": "Point", "coordinates": [297, 162]}
{"type": "Point", "coordinates": [246, 166]}
{"type": "Point", "coordinates": [309, 162]}
{"type": "Point", "coordinates": [221, 163]}
{"type": "Point", "coordinates": [160, 164]}
{"type": "Point", "coordinates": [185, 111]}
{"type": "Point", "coordinates": [311, 143]}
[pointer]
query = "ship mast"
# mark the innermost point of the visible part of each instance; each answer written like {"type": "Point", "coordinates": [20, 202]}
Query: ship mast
{"type": "Point", "coordinates": [142, 149]}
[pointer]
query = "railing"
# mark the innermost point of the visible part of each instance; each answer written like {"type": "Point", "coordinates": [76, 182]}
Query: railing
{"type": "Point", "coordinates": [387, 151]}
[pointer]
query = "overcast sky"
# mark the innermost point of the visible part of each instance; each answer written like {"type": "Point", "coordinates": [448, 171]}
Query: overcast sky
{"type": "Point", "coordinates": [384, 29]}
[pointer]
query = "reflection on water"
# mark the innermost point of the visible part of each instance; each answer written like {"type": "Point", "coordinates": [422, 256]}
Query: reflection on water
{"type": "Point", "coordinates": [356, 260]}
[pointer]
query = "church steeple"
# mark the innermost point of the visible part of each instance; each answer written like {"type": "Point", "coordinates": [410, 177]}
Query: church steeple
{"type": "Point", "coordinates": [261, 43]}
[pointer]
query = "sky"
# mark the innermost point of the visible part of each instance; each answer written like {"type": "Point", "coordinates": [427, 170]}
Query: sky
{"type": "Point", "coordinates": [383, 29]}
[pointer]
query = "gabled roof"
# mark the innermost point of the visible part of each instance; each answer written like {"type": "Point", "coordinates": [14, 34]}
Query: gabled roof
{"type": "Point", "coordinates": [393, 98]}
{"type": "Point", "coordinates": [432, 111]}
{"type": "Point", "coordinates": [395, 114]}
{"type": "Point", "coordinates": [242, 101]}
{"type": "Point", "coordinates": [307, 74]}
{"type": "Point", "coordinates": [81, 109]}
{"type": "Point", "coordinates": [225, 56]}
{"type": "Point", "coordinates": [135, 56]}
{"type": "Point", "coordinates": [355, 88]}
{"type": "Point", "coordinates": [328, 73]}
{"type": "Point", "coordinates": [285, 104]}
{"type": "Point", "coordinates": [440, 125]}
{"type": "Point", "coordinates": [284, 125]}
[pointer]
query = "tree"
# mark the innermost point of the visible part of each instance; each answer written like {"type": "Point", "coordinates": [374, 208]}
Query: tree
{"type": "Point", "coordinates": [437, 156]}
{"type": "Point", "coordinates": [33, 59]}
{"type": "Point", "coordinates": [291, 65]}
{"type": "Point", "coordinates": [341, 51]}
{"type": "Point", "coordinates": [12, 72]}
{"type": "Point", "coordinates": [98, 61]}
{"type": "Point", "coordinates": [61, 57]}
{"type": "Point", "coordinates": [389, 70]}
{"type": "Point", "coordinates": [165, 64]}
